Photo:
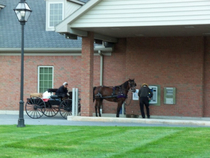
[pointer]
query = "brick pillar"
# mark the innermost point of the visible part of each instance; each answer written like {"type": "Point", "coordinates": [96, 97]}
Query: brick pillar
{"type": "Point", "coordinates": [87, 75]}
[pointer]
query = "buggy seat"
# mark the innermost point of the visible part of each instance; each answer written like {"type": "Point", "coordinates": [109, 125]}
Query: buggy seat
{"type": "Point", "coordinates": [53, 90]}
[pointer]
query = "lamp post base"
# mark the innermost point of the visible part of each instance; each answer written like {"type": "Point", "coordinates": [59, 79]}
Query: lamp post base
{"type": "Point", "coordinates": [21, 123]}
{"type": "Point", "coordinates": [21, 119]}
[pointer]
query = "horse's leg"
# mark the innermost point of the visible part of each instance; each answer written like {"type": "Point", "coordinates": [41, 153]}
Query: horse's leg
{"type": "Point", "coordinates": [99, 107]}
{"type": "Point", "coordinates": [119, 107]}
{"type": "Point", "coordinates": [96, 104]}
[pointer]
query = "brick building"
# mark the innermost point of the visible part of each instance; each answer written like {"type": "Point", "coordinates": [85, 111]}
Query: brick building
{"type": "Point", "coordinates": [165, 44]}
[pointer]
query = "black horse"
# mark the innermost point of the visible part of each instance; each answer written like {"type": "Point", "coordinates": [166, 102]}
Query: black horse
{"type": "Point", "coordinates": [114, 94]}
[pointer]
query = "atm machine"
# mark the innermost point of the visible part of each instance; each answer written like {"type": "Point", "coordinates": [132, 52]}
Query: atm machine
{"type": "Point", "coordinates": [155, 100]}
{"type": "Point", "coordinates": [169, 95]}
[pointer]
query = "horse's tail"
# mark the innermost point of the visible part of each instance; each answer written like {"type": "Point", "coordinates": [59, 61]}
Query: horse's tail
{"type": "Point", "coordinates": [94, 94]}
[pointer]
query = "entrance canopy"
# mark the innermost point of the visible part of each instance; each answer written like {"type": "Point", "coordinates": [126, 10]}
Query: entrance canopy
{"type": "Point", "coordinates": [110, 19]}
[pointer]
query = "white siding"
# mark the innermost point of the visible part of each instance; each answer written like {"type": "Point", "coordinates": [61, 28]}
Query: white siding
{"type": "Point", "coordinates": [70, 7]}
{"type": "Point", "coordinates": [117, 13]}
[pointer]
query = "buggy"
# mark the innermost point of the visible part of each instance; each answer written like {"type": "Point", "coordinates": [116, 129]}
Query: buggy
{"type": "Point", "coordinates": [36, 106]}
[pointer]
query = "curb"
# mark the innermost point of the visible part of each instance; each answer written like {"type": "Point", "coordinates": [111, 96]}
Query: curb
{"type": "Point", "coordinates": [139, 120]}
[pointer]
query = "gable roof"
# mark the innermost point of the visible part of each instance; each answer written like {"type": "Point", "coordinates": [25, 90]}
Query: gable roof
{"type": "Point", "coordinates": [151, 18]}
{"type": "Point", "coordinates": [63, 27]}
{"type": "Point", "coordinates": [35, 35]}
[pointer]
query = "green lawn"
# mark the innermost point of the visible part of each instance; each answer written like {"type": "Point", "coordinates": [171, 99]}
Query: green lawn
{"type": "Point", "coordinates": [97, 142]}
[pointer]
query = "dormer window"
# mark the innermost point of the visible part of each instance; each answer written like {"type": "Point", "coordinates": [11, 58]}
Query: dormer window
{"type": "Point", "coordinates": [55, 14]}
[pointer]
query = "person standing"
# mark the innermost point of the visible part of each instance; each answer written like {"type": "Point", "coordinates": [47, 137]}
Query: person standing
{"type": "Point", "coordinates": [145, 94]}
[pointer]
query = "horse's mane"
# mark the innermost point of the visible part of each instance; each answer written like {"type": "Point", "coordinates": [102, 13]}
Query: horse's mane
{"type": "Point", "coordinates": [124, 85]}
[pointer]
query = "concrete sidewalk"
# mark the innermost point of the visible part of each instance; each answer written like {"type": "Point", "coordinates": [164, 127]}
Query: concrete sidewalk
{"type": "Point", "coordinates": [10, 117]}
{"type": "Point", "coordinates": [165, 120]}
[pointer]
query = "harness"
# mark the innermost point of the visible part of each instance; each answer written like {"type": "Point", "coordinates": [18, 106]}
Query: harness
{"type": "Point", "coordinates": [114, 95]}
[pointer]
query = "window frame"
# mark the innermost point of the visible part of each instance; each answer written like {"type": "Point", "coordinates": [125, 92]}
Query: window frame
{"type": "Point", "coordinates": [38, 85]}
{"type": "Point", "coordinates": [48, 27]}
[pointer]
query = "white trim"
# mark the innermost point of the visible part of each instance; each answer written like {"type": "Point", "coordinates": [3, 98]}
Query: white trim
{"type": "Point", "coordinates": [50, 51]}
{"type": "Point", "coordinates": [52, 54]}
{"type": "Point", "coordinates": [79, 12]}
{"type": "Point", "coordinates": [52, 76]}
{"type": "Point", "coordinates": [77, 2]}
{"type": "Point", "coordinates": [41, 50]}
{"type": "Point", "coordinates": [77, 32]}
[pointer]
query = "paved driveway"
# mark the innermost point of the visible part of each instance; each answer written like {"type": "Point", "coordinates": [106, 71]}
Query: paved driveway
{"type": "Point", "coordinates": [12, 119]}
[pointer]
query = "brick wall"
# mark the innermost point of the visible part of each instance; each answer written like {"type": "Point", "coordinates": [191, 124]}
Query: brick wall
{"type": "Point", "coordinates": [66, 68]}
{"type": "Point", "coordinates": [181, 62]}
{"type": "Point", "coordinates": [168, 62]}
{"type": "Point", "coordinates": [207, 77]}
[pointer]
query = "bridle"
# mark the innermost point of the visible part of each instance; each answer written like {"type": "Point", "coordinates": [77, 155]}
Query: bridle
{"type": "Point", "coordinates": [132, 85]}
{"type": "Point", "coordinates": [132, 88]}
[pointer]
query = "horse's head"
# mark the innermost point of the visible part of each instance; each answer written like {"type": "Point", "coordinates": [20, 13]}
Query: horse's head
{"type": "Point", "coordinates": [132, 85]}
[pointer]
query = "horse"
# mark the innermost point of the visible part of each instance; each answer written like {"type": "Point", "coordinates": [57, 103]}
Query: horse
{"type": "Point", "coordinates": [113, 94]}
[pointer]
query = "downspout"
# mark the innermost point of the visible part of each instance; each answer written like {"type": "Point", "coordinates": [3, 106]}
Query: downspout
{"type": "Point", "coordinates": [101, 73]}
{"type": "Point", "coordinates": [101, 67]}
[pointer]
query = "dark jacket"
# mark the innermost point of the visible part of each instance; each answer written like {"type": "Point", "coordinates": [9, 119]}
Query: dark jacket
{"type": "Point", "coordinates": [62, 91]}
{"type": "Point", "coordinates": [144, 91]}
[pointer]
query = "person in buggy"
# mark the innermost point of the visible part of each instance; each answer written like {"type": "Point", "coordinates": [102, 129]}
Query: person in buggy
{"type": "Point", "coordinates": [62, 91]}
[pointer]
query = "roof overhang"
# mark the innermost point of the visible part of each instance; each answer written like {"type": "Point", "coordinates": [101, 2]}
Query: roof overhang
{"type": "Point", "coordinates": [65, 26]}
{"type": "Point", "coordinates": [151, 31]}
{"type": "Point", "coordinates": [112, 33]}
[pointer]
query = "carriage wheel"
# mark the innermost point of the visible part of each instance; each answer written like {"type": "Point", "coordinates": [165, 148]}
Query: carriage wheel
{"type": "Point", "coordinates": [51, 111]}
{"type": "Point", "coordinates": [66, 108]}
{"type": "Point", "coordinates": [35, 107]}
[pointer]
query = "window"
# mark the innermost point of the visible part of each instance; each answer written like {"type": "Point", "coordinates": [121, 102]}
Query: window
{"type": "Point", "coordinates": [45, 78]}
{"type": "Point", "coordinates": [55, 14]}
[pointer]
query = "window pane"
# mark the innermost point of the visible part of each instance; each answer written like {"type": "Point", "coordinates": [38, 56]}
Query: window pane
{"type": "Point", "coordinates": [41, 77]}
{"type": "Point", "coordinates": [45, 78]}
{"type": "Point", "coordinates": [41, 70]}
{"type": "Point", "coordinates": [56, 12]}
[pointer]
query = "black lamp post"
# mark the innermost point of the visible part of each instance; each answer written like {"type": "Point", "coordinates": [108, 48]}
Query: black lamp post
{"type": "Point", "coordinates": [23, 12]}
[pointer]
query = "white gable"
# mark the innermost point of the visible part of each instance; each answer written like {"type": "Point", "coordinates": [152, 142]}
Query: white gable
{"type": "Point", "coordinates": [125, 13]}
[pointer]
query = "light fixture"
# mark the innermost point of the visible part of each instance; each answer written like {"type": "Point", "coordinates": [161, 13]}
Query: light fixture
{"type": "Point", "coordinates": [22, 11]}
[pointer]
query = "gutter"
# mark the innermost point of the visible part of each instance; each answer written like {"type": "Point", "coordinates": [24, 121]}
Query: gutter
{"type": "Point", "coordinates": [53, 51]}
{"type": "Point", "coordinates": [101, 66]}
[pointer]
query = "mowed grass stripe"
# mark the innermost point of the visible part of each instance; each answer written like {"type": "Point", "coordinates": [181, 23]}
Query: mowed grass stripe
{"type": "Point", "coordinates": [131, 140]}
{"type": "Point", "coordinates": [90, 142]}
{"type": "Point", "coordinates": [186, 143]}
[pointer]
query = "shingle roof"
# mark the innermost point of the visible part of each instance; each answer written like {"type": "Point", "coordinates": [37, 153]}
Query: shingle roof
{"type": "Point", "coordinates": [35, 34]}
{"type": "Point", "coordinates": [2, 2]}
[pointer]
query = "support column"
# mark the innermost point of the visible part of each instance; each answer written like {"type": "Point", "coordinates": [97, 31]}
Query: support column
{"type": "Point", "coordinates": [87, 75]}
